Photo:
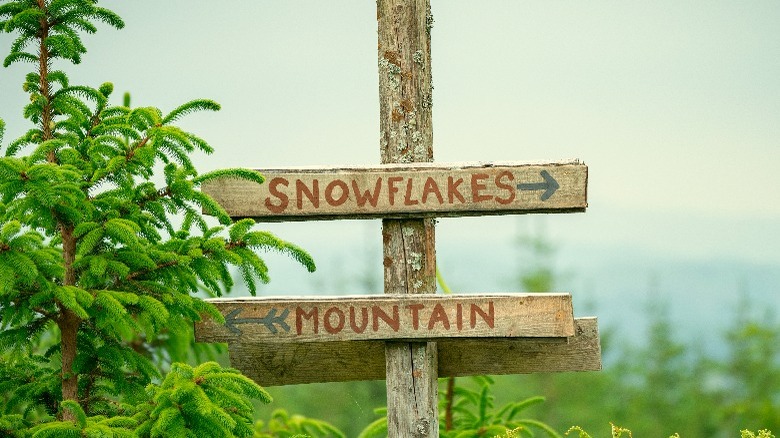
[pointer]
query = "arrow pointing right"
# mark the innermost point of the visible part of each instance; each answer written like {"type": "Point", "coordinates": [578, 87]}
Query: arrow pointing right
{"type": "Point", "coordinates": [550, 185]}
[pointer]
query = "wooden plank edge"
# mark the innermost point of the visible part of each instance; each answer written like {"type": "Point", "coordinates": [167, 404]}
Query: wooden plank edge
{"type": "Point", "coordinates": [288, 364]}
{"type": "Point", "coordinates": [423, 166]}
{"type": "Point", "coordinates": [409, 215]}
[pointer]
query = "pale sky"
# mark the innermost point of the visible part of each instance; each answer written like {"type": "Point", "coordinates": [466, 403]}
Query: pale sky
{"type": "Point", "coordinates": [674, 106]}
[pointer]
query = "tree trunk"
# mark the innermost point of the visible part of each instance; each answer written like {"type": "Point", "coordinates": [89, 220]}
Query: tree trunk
{"type": "Point", "coordinates": [68, 322]}
{"type": "Point", "coordinates": [409, 245]}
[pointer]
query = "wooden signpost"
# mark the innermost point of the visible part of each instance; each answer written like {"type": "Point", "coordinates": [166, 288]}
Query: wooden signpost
{"type": "Point", "coordinates": [405, 191]}
{"type": "Point", "coordinates": [409, 336]}
{"type": "Point", "coordinates": [387, 317]}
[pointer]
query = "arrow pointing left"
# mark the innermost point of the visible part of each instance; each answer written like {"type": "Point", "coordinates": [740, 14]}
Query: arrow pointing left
{"type": "Point", "coordinates": [270, 320]}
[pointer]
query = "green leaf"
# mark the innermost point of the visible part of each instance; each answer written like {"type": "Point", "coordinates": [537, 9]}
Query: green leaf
{"type": "Point", "coordinates": [122, 231]}
{"type": "Point", "coordinates": [240, 228]}
{"type": "Point", "coordinates": [245, 174]}
{"type": "Point", "coordinates": [190, 107]}
{"type": "Point", "coordinates": [212, 207]}
{"type": "Point", "coordinates": [543, 426]}
{"type": "Point", "coordinates": [66, 296]}
{"type": "Point", "coordinates": [27, 19]}
{"type": "Point", "coordinates": [108, 17]}
{"type": "Point", "coordinates": [98, 265]}
{"type": "Point", "coordinates": [155, 308]}
{"type": "Point", "coordinates": [84, 228]}
{"type": "Point", "coordinates": [106, 89]}
{"type": "Point", "coordinates": [59, 77]}
{"type": "Point", "coordinates": [43, 150]}
{"type": "Point", "coordinates": [517, 407]}
{"type": "Point", "coordinates": [111, 305]}
{"type": "Point", "coordinates": [62, 45]}
{"type": "Point", "coordinates": [19, 57]}
{"type": "Point", "coordinates": [377, 429]}
{"type": "Point", "coordinates": [9, 230]}
{"type": "Point", "coordinates": [77, 411]}
{"type": "Point", "coordinates": [83, 92]}
{"type": "Point", "coordinates": [64, 429]}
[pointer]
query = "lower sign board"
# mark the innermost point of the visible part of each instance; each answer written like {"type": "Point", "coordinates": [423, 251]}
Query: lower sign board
{"type": "Point", "coordinates": [405, 190]}
{"type": "Point", "coordinates": [389, 317]}
{"type": "Point", "coordinates": [275, 364]}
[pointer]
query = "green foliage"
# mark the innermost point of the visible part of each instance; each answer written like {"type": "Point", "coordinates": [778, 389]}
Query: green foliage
{"type": "Point", "coordinates": [467, 412]}
{"type": "Point", "coordinates": [283, 425]}
{"type": "Point", "coordinates": [474, 413]}
{"type": "Point", "coordinates": [753, 372]}
{"type": "Point", "coordinates": [378, 427]}
{"type": "Point", "coordinates": [617, 432]}
{"type": "Point", "coordinates": [207, 400]}
{"type": "Point", "coordinates": [102, 262]}
{"type": "Point", "coordinates": [663, 386]}
{"type": "Point", "coordinates": [83, 426]}
{"type": "Point", "coordinates": [12, 426]}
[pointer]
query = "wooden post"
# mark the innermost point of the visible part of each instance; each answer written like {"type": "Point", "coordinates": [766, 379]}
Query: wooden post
{"type": "Point", "coordinates": [409, 254]}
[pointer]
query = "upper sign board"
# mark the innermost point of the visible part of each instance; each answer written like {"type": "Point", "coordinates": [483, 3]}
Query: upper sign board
{"type": "Point", "coordinates": [401, 191]}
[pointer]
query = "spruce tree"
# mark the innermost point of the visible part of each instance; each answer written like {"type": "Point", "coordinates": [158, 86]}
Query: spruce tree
{"type": "Point", "coordinates": [98, 261]}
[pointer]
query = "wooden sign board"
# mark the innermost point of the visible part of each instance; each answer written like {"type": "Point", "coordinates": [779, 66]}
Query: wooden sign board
{"type": "Point", "coordinates": [389, 317]}
{"type": "Point", "coordinates": [276, 364]}
{"type": "Point", "coordinates": [401, 191]}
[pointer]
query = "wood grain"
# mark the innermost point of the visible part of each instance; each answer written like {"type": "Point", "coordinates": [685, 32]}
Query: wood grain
{"type": "Point", "coordinates": [408, 246]}
{"type": "Point", "coordinates": [389, 317]}
{"type": "Point", "coordinates": [402, 191]}
{"type": "Point", "coordinates": [288, 364]}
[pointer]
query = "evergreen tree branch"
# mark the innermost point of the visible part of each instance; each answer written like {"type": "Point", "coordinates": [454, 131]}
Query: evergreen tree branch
{"type": "Point", "coordinates": [161, 266]}
{"type": "Point", "coordinates": [91, 268]}
{"type": "Point", "coordinates": [19, 302]}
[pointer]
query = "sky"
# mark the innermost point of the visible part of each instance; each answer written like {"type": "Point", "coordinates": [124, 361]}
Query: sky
{"type": "Point", "coordinates": [674, 106]}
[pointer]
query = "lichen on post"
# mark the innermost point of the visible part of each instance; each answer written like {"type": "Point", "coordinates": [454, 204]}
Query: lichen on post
{"type": "Point", "coordinates": [409, 252]}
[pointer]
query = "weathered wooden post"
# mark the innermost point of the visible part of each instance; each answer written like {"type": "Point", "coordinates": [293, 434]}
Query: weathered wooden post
{"type": "Point", "coordinates": [409, 251]}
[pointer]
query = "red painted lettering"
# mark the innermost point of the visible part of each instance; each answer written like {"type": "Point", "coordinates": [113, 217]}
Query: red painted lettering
{"type": "Point", "coordinates": [508, 187]}
{"type": "Point", "coordinates": [477, 185]}
{"type": "Point", "coordinates": [330, 328]}
{"type": "Point", "coordinates": [391, 188]}
{"type": "Point", "coordinates": [313, 195]}
{"type": "Point", "coordinates": [329, 192]}
{"type": "Point", "coordinates": [488, 317]}
{"type": "Point", "coordinates": [364, 319]}
{"type": "Point", "coordinates": [377, 313]}
{"type": "Point", "coordinates": [408, 196]}
{"type": "Point", "coordinates": [459, 317]}
{"type": "Point", "coordinates": [438, 315]}
{"type": "Point", "coordinates": [429, 188]}
{"type": "Point", "coordinates": [452, 190]}
{"type": "Point", "coordinates": [367, 196]}
{"type": "Point", "coordinates": [300, 314]}
{"type": "Point", "coordinates": [415, 308]}
{"type": "Point", "coordinates": [273, 188]}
